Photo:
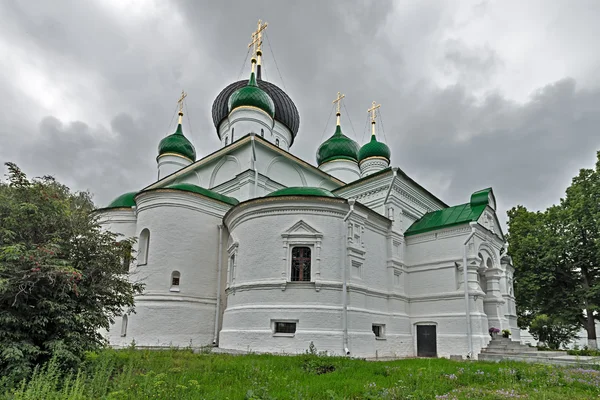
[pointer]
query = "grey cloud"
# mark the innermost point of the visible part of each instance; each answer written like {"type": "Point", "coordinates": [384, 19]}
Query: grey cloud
{"type": "Point", "coordinates": [448, 139]}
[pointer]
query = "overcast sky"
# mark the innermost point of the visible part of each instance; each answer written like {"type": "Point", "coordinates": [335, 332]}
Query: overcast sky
{"type": "Point", "coordinates": [474, 94]}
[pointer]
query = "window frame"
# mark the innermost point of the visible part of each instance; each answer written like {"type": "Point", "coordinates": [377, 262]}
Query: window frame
{"type": "Point", "coordinates": [381, 328]}
{"type": "Point", "coordinates": [302, 234]}
{"type": "Point", "coordinates": [143, 247]}
{"type": "Point", "coordinates": [124, 323]}
{"type": "Point", "coordinates": [274, 323]}
{"type": "Point", "coordinates": [310, 266]}
{"type": "Point", "coordinates": [175, 287]}
{"type": "Point", "coordinates": [232, 253]}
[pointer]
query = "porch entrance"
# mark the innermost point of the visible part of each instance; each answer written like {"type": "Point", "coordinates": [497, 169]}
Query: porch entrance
{"type": "Point", "coordinates": [426, 341]}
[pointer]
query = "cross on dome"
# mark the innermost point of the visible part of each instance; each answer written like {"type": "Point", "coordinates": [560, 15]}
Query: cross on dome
{"type": "Point", "coordinates": [257, 43]}
{"type": "Point", "coordinates": [180, 102]}
{"type": "Point", "coordinates": [338, 102]}
{"type": "Point", "coordinates": [373, 116]}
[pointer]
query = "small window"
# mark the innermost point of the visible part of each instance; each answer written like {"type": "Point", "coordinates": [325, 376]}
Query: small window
{"type": "Point", "coordinates": [262, 132]}
{"type": "Point", "coordinates": [124, 326]}
{"type": "Point", "coordinates": [277, 142]}
{"type": "Point", "coordinates": [285, 327]}
{"type": "Point", "coordinates": [301, 264]}
{"type": "Point", "coordinates": [378, 330]}
{"type": "Point", "coordinates": [232, 268]}
{"type": "Point", "coordinates": [144, 247]}
{"type": "Point", "coordinates": [126, 258]}
{"type": "Point", "coordinates": [226, 140]}
{"type": "Point", "coordinates": [175, 279]}
{"type": "Point", "coordinates": [232, 130]}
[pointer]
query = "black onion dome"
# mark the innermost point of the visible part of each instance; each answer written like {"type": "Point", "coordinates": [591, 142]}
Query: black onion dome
{"type": "Point", "coordinates": [285, 109]}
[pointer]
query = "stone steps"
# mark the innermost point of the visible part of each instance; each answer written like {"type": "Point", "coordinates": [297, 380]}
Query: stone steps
{"type": "Point", "coordinates": [504, 349]}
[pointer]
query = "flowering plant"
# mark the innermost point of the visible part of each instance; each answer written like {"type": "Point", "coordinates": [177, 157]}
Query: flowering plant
{"type": "Point", "coordinates": [493, 331]}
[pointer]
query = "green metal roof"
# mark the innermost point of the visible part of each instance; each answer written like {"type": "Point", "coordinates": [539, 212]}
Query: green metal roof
{"type": "Point", "coordinates": [188, 187]}
{"type": "Point", "coordinates": [178, 144]}
{"type": "Point", "coordinates": [338, 146]}
{"type": "Point", "coordinates": [457, 215]}
{"type": "Point", "coordinates": [481, 197]}
{"type": "Point", "coordinates": [374, 149]}
{"type": "Point", "coordinates": [252, 95]}
{"type": "Point", "coordinates": [301, 191]}
{"type": "Point", "coordinates": [123, 201]}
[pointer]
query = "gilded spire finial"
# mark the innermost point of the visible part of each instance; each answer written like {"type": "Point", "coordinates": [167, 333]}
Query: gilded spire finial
{"type": "Point", "coordinates": [257, 43]}
{"type": "Point", "coordinates": [338, 100]}
{"type": "Point", "coordinates": [373, 116]}
{"type": "Point", "coordinates": [180, 102]}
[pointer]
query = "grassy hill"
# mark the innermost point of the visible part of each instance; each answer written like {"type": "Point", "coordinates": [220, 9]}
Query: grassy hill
{"type": "Point", "coordinates": [181, 374]}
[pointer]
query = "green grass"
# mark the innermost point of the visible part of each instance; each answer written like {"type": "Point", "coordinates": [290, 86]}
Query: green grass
{"type": "Point", "coordinates": [180, 374]}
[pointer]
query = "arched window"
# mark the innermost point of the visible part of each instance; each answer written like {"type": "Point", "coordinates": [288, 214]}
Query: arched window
{"type": "Point", "coordinates": [262, 132]}
{"type": "Point", "coordinates": [488, 263]}
{"type": "Point", "coordinates": [124, 321]}
{"type": "Point", "coordinates": [226, 140]}
{"type": "Point", "coordinates": [301, 264]}
{"type": "Point", "coordinates": [175, 279]}
{"type": "Point", "coordinates": [232, 129]}
{"type": "Point", "coordinates": [277, 142]}
{"type": "Point", "coordinates": [144, 247]}
{"type": "Point", "coordinates": [126, 257]}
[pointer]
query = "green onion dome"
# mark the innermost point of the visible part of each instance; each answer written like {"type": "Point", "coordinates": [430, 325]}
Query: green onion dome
{"type": "Point", "coordinates": [188, 187]}
{"type": "Point", "coordinates": [177, 144]}
{"type": "Point", "coordinates": [252, 95]}
{"type": "Point", "coordinates": [337, 147]}
{"type": "Point", "coordinates": [123, 201]}
{"type": "Point", "coordinates": [301, 191]}
{"type": "Point", "coordinates": [374, 149]}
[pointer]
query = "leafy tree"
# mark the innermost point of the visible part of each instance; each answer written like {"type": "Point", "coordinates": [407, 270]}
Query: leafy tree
{"type": "Point", "coordinates": [557, 256]}
{"type": "Point", "coordinates": [552, 331]}
{"type": "Point", "coordinates": [61, 276]}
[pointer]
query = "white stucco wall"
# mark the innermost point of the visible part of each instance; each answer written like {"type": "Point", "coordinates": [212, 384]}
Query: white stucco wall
{"type": "Point", "coordinates": [435, 275]}
{"type": "Point", "coordinates": [260, 293]}
{"type": "Point", "coordinates": [245, 120]}
{"type": "Point", "coordinates": [170, 163]}
{"type": "Point", "coordinates": [345, 170]}
{"type": "Point", "coordinates": [183, 237]}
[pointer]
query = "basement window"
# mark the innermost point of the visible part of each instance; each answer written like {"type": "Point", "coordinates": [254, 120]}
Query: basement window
{"type": "Point", "coordinates": [379, 331]}
{"type": "Point", "coordinates": [284, 328]}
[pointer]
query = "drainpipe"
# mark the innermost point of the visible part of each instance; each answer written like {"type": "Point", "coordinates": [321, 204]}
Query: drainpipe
{"type": "Point", "coordinates": [345, 279]}
{"type": "Point", "coordinates": [466, 286]}
{"type": "Point", "coordinates": [219, 269]}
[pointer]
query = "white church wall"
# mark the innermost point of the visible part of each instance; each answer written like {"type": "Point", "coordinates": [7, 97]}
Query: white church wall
{"type": "Point", "coordinates": [434, 268]}
{"type": "Point", "coordinates": [245, 120]}
{"type": "Point", "coordinates": [345, 170]}
{"type": "Point", "coordinates": [183, 238]}
{"type": "Point", "coordinates": [259, 292]}
{"type": "Point", "coordinates": [222, 173]}
{"type": "Point", "coordinates": [120, 220]}
{"type": "Point", "coordinates": [170, 163]}
{"type": "Point", "coordinates": [280, 169]}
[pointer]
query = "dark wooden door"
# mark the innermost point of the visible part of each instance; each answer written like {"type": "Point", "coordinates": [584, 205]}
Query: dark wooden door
{"type": "Point", "coordinates": [426, 341]}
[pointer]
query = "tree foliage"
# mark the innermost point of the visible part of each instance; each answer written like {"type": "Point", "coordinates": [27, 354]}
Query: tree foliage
{"type": "Point", "coordinates": [557, 256]}
{"type": "Point", "coordinates": [61, 276]}
{"type": "Point", "coordinates": [552, 330]}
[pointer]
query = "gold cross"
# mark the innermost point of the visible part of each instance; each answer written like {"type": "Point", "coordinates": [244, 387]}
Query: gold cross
{"type": "Point", "coordinates": [257, 36]}
{"type": "Point", "coordinates": [180, 101]}
{"type": "Point", "coordinates": [372, 111]}
{"type": "Point", "coordinates": [339, 101]}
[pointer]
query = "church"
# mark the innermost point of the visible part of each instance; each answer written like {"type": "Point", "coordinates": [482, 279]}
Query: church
{"type": "Point", "coordinates": [251, 248]}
